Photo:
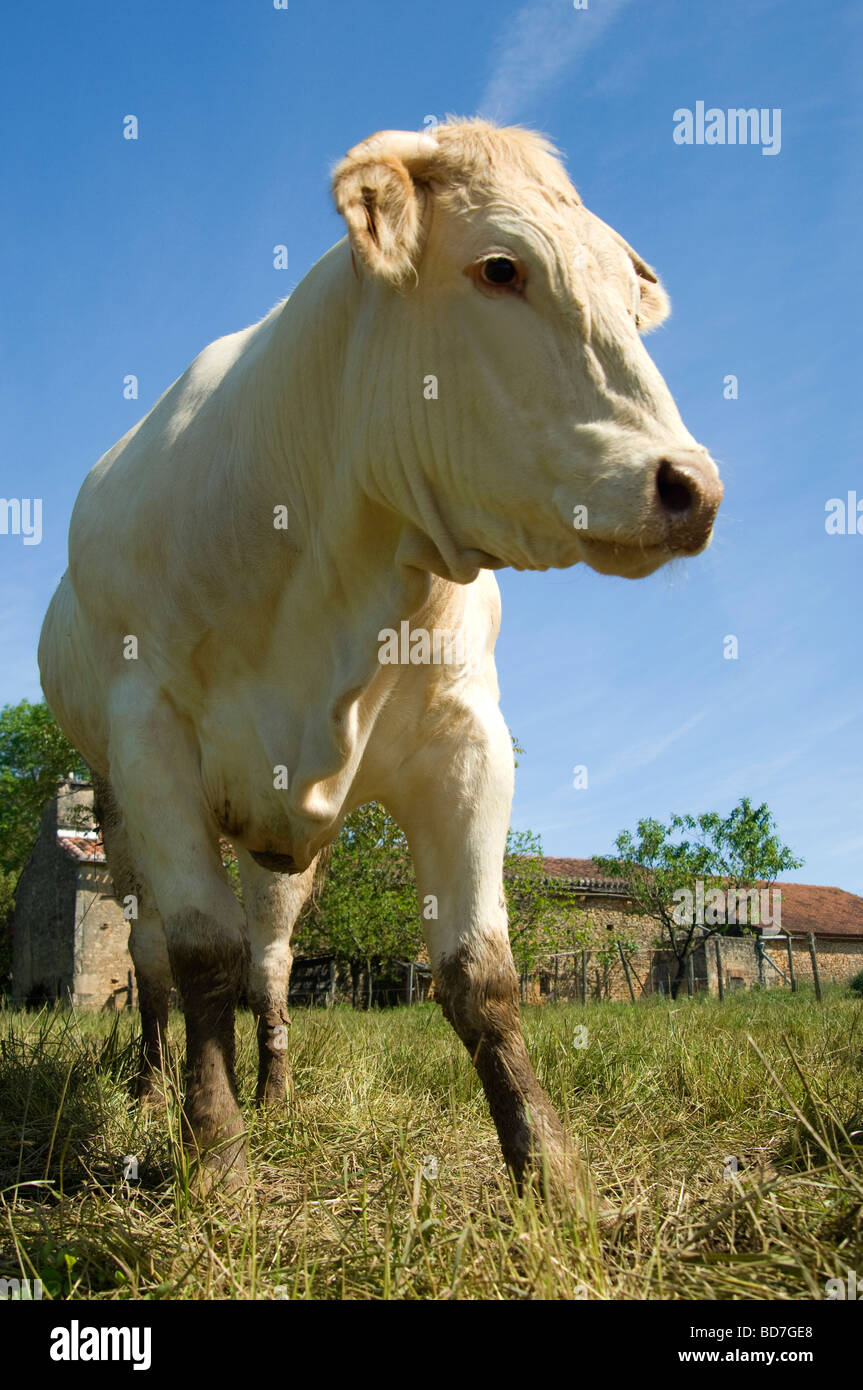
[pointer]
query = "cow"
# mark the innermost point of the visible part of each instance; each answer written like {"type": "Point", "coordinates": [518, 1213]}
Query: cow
{"type": "Point", "coordinates": [457, 386]}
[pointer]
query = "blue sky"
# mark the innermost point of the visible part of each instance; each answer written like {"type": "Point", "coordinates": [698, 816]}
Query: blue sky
{"type": "Point", "coordinates": [129, 256]}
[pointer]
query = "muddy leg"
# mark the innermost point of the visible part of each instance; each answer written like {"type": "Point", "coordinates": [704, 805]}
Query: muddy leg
{"type": "Point", "coordinates": [477, 988]}
{"type": "Point", "coordinates": [147, 945]}
{"type": "Point", "coordinates": [209, 964]}
{"type": "Point", "coordinates": [456, 823]}
{"type": "Point", "coordinates": [155, 772]}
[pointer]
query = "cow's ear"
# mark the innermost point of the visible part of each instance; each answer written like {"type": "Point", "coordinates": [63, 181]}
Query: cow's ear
{"type": "Point", "coordinates": [654, 305]}
{"type": "Point", "coordinates": [376, 192]}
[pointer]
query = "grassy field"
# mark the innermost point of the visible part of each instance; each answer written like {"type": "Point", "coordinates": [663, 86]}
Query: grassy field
{"type": "Point", "coordinates": [384, 1179]}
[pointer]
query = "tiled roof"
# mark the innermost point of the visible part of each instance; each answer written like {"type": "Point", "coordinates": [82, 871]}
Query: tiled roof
{"type": "Point", "coordinates": [828, 912]}
{"type": "Point", "coordinates": [582, 873]}
{"type": "Point", "coordinates": [82, 845]}
{"type": "Point", "coordinates": [824, 911]}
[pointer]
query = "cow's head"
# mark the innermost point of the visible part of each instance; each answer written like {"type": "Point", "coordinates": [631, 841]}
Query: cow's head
{"type": "Point", "coordinates": [497, 365]}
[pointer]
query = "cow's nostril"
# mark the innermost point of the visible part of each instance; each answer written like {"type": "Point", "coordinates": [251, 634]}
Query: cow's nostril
{"type": "Point", "coordinates": [675, 488]}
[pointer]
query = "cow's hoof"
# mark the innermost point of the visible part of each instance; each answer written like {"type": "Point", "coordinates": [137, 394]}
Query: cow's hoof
{"type": "Point", "coordinates": [609, 1220]}
{"type": "Point", "coordinates": [234, 1182]}
{"type": "Point", "coordinates": [151, 1091]}
{"type": "Point", "coordinates": [215, 1151]}
{"type": "Point", "coordinates": [573, 1190]}
{"type": "Point", "coordinates": [222, 1171]}
{"type": "Point", "coordinates": [275, 1090]}
{"type": "Point", "coordinates": [272, 1101]}
{"type": "Point", "coordinates": [565, 1183]}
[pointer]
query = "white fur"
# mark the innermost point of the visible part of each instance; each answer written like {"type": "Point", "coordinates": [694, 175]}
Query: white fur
{"type": "Point", "coordinates": [257, 647]}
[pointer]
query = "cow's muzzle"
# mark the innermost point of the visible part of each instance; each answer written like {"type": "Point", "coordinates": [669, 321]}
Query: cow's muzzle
{"type": "Point", "coordinates": [687, 493]}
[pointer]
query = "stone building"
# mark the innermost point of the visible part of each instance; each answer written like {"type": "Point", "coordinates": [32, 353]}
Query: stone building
{"type": "Point", "coordinates": [69, 936]}
{"type": "Point", "coordinates": [601, 905]}
{"type": "Point", "coordinates": [70, 939]}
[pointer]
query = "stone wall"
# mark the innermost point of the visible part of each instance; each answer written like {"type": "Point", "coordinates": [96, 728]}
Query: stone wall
{"type": "Point", "coordinates": [43, 956]}
{"type": "Point", "coordinates": [104, 975]}
{"type": "Point", "coordinates": [838, 960]}
{"type": "Point", "coordinates": [70, 940]}
{"type": "Point", "coordinates": [739, 963]}
{"type": "Point", "coordinates": [611, 918]}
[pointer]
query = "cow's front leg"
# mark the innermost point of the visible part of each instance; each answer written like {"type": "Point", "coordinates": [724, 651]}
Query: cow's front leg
{"type": "Point", "coordinates": [208, 956]}
{"type": "Point", "coordinates": [454, 805]}
{"type": "Point", "coordinates": [477, 987]}
{"type": "Point", "coordinates": [147, 945]}
{"type": "Point", "coordinates": [273, 902]}
{"type": "Point", "coordinates": [174, 845]}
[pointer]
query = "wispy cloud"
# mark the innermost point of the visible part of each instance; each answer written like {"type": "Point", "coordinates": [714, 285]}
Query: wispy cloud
{"type": "Point", "coordinates": [648, 750]}
{"type": "Point", "coordinates": [544, 39]}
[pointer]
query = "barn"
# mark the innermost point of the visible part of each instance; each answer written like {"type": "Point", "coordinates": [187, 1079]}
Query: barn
{"type": "Point", "coordinates": [70, 940]}
{"type": "Point", "coordinates": [832, 916]}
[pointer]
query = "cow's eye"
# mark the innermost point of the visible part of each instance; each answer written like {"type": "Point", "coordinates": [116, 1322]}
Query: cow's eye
{"type": "Point", "coordinates": [497, 273]}
{"type": "Point", "coordinates": [499, 270]}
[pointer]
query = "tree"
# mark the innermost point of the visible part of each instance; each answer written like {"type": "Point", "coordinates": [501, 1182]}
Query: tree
{"type": "Point", "coordinates": [34, 756]}
{"type": "Point", "coordinates": [662, 870]}
{"type": "Point", "coordinates": [653, 868]}
{"type": "Point", "coordinates": [366, 905]}
{"type": "Point", "coordinates": [541, 921]}
{"type": "Point", "coordinates": [744, 847]}
{"type": "Point", "coordinates": [529, 906]}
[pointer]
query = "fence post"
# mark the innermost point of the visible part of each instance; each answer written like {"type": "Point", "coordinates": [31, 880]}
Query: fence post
{"type": "Point", "coordinates": [690, 975]}
{"type": "Point", "coordinates": [332, 988]}
{"type": "Point", "coordinates": [791, 974]}
{"type": "Point", "coordinates": [719, 978]}
{"type": "Point", "coordinates": [584, 977]}
{"type": "Point", "coordinates": [814, 958]}
{"type": "Point", "coordinates": [625, 965]}
{"type": "Point", "coordinates": [411, 983]}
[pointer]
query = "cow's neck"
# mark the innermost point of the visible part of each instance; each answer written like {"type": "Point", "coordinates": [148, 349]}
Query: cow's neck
{"type": "Point", "coordinates": [355, 567]}
{"type": "Point", "coordinates": [359, 555]}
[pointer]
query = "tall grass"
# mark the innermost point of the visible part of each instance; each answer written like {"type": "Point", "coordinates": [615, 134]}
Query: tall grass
{"type": "Point", "coordinates": [728, 1136]}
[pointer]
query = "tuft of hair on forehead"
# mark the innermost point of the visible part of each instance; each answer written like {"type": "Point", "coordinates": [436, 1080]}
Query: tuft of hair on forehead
{"type": "Point", "coordinates": [485, 155]}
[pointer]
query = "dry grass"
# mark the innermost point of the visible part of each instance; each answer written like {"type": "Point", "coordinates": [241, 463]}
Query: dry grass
{"type": "Point", "coordinates": [346, 1204]}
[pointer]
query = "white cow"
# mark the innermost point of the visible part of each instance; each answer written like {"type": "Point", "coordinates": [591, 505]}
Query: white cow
{"type": "Point", "coordinates": [443, 394]}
